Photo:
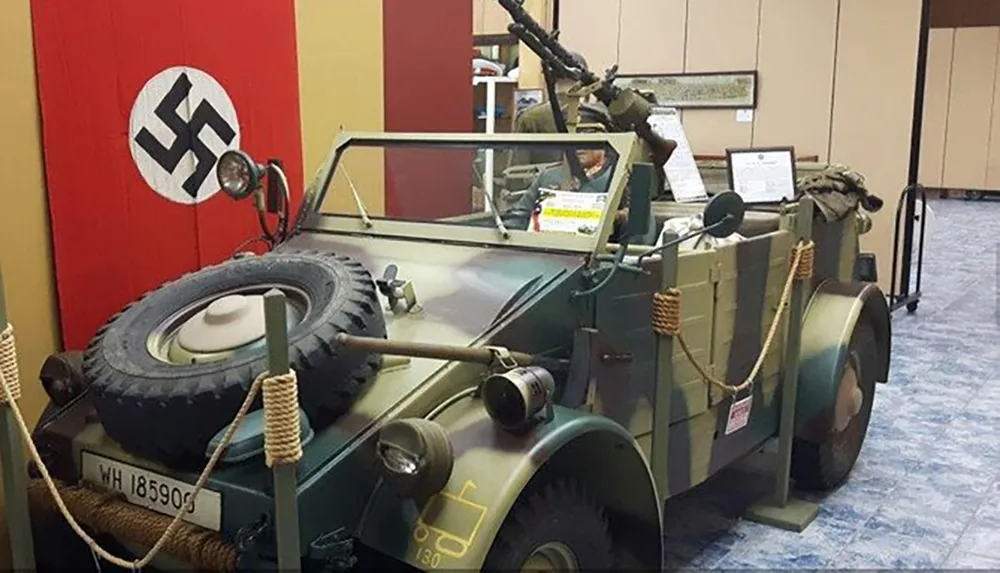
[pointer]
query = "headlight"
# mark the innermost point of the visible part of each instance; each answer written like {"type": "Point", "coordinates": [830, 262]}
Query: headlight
{"type": "Point", "coordinates": [514, 399]}
{"type": "Point", "coordinates": [238, 174]}
{"type": "Point", "coordinates": [416, 456]}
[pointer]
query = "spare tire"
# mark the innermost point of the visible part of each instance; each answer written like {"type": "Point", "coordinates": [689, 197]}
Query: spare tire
{"type": "Point", "coordinates": [162, 401]}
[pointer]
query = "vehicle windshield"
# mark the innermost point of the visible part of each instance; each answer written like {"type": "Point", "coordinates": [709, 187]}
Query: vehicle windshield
{"type": "Point", "coordinates": [543, 187]}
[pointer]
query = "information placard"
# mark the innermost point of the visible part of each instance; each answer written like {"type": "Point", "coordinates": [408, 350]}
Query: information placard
{"type": "Point", "coordinates": [762, 175]}
{"type": "Point", "coordinates": [681, 169]}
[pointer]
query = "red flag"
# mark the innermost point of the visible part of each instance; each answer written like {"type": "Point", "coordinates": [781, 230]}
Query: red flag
{"type": "Point", "coordinates": [138, 100]}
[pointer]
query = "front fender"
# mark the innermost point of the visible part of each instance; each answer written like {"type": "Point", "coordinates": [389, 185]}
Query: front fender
{"type": "Point", "coordinates": [830, 318]}
{"type": "Point", "coordinates": [454, 529]}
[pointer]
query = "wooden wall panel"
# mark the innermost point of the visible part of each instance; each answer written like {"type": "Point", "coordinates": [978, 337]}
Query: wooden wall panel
{"type": "Point", "coordinates": [478, 17]}
{"type": "Point", "coordinates": [721, 36]}
{"type": "Point", "coordinates": [494, 18]}
{"type": "Point", "coordinates": [873, 106]}
{"type": "Point", "coordinates": [993, 156]}
{"type": "Point", "coordinates": [653, 34]}
{"type": "Point", "coordinates": [795, 62]}
{"type": "Point", "coordinates": [936, 96]}
{"type": "Point", "coordinates": [25, 249]}
{"type": "Point", "coordinates": [352, 48]}
{"type": "Point", "coordinates": [968, 137]}
{"type": "Point", "coordinates": [591, 28]}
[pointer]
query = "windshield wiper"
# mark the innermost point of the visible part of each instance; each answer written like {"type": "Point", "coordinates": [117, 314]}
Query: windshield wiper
{"type": "Point", "coordinates": [496, 214]}
{"type": "Point", "coordinates": [357, 199]}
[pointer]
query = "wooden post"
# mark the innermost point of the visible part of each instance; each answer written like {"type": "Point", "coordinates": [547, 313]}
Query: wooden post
{"type": "Point", "coordinates": [286, 510]}
{"type": "Point", "coordinates": [780, 510]}
{"type": "Point", "coordinates": [790, 383]}
{"type": "Point", "coordinates": [15, 478]}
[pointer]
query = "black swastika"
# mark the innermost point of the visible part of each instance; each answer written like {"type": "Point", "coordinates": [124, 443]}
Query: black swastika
{"type": "Point", "coordinates": [187, 135]}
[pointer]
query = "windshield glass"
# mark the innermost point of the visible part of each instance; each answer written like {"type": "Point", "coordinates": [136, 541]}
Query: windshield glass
{"type": "Point", "coordinates": [542, 187]}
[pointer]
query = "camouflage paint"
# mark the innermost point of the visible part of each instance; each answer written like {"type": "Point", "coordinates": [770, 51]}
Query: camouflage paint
{"type": "Point", "coordinates": [829, 322]}
{"type": "Point", "coordinates": [478, 292]}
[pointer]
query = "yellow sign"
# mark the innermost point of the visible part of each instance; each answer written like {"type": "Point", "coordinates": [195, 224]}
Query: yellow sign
{"type": "Point", "coordinates": [453, 521]}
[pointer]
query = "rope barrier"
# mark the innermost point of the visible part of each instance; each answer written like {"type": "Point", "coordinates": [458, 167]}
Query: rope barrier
{"type": "Point", "coordinates": [281, 449]}
{"type": "Point", "coordinates": [666, 318]}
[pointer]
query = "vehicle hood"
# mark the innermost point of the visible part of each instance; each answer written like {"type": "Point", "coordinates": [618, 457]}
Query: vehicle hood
{"type": "Point", "coordinates": [465, 293]}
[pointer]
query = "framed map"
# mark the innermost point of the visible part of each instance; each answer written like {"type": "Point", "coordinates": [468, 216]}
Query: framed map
{"type": "Point", "coordinates": [712, 90]}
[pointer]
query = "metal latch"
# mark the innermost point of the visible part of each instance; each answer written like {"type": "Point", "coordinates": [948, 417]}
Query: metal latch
{"type": "Point", "coordinates": [334, 549]}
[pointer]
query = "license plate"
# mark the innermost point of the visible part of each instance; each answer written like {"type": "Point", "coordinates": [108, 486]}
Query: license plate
{"type": "Point", "coordinates": [154, 491]}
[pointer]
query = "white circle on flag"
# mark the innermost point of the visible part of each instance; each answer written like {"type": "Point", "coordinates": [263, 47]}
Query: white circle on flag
{"type": "Point", "coordinates": [181, 122]}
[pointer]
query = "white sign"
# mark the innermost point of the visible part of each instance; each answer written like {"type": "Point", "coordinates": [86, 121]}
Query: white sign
{"type": "Point", "coordinates": [744, 115]}
{"type": "Point", "coordinates": [181, 122]}
{"type": "Point", "coordinates": [569, 212]}
{"type": "Point", "coordinates": [762, 175]}
{"type": "Point", "coordinates": [153, 491]}
{"type": "Point", "coordinates": [681, 169]}
{"type": "Point", "coordinates": [739, 414]}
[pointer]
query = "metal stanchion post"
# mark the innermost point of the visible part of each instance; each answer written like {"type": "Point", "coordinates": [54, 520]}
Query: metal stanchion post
{"type": "Point", "coordinates": [286, 511]}
{"type": "Point", "coordinates": [15, 478]}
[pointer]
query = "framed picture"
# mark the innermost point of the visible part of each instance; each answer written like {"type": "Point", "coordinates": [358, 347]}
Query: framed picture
{"type": "Point", "coordinates": [525, 98]}
{"type": "Point", "coordinates": [762, 174]}
{"type": "Point", "coordinates": [712, 90]}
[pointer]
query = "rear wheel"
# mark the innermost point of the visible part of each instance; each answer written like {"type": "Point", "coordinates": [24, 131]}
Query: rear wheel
{"type": "Point", "coordinates": [825, 465]}
{"type": "Point", "coordinates": [559, 528]}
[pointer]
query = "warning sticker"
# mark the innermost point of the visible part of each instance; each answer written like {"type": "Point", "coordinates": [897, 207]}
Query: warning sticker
{"type": "Point", "coordinates": [570, 212]}
{"type": "Point", "coordinates": [739, 414]}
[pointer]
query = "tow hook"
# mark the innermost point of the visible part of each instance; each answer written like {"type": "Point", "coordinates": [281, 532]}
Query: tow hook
{"type": "Point", "coordinates": [335, 550]}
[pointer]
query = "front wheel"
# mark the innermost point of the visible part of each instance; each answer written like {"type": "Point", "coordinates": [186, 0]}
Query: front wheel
{"type": "Point", "coordinates": [825, 465]}
{"type": "Point", "coordinates": [559, 528]}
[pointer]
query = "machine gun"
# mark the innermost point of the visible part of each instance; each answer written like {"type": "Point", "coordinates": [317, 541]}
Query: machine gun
{"type": "Point", "coordinates": [629, 110]}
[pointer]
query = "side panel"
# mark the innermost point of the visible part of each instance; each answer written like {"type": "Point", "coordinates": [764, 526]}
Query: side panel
{"type": "Point", "coordinates": [836, 249]}
{"type": "Point", "coordinates": [454, 529]}
{"type": "Point", "coordinates": [829, 321]}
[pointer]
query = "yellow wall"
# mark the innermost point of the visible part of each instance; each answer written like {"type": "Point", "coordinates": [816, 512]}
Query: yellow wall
{"type": "Point", "coordinates": [341, 87]}
{"type": "Point", "coordinates": [25, 252]}
{"type": "Point", "coordinates": [836, 76]}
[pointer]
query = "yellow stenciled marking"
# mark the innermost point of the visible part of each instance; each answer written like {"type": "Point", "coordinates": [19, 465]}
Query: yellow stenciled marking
{"type": "Point", "coordinates": [464, 518]}
{"type": "Point", "coordinates": [572, 213]}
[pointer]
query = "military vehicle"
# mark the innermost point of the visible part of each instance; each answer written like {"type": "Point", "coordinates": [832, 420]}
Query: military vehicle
{"type": "Point", "coordinates": [477, 390]}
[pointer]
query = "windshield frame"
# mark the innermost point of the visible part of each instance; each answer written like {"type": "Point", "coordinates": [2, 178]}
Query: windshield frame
{"type": "Point", "coordinates": [626, 145]}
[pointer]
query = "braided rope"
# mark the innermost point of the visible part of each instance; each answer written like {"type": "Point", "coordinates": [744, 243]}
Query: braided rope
{"type": "Point", "coordinates": [282, 439]}
{"type": "Point", "coordinates": [666, 318]}
{"type": "Point", "coordinates": [7, 350]}
{"type": "Point", "coordinates": [8, 366]}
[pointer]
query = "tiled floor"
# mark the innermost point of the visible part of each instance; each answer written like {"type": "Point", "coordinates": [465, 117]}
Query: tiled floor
{"type": "Point", "coordinates": [926, 491]}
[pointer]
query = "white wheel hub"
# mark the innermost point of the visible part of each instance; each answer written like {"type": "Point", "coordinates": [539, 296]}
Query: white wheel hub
{"type": "Point", "coordinates": [228, 322]}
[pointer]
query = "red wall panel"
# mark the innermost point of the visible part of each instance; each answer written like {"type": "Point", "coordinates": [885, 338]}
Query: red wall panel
{"type": "Point", "coordinates": [428, 87]}
{"type": "Point", "coordinates": [106, 72]}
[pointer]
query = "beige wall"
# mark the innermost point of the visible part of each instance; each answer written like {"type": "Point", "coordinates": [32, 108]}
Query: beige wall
{"type": "Point", "coordinates": [836, 76]}
{"type": "Point", "coordinates": [961, 145]}
{"type": "Point", "coordinates": [489, 18]}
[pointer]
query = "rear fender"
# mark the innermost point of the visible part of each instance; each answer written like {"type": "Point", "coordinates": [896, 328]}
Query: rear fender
{"type": "Point", "coordinates": [830, 318]}
{"type": "Point", "coordinates": [455, 529]}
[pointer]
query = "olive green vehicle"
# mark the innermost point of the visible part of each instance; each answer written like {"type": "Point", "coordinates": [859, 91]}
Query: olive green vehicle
{"type": "Point", "coordinates": [474, 394]}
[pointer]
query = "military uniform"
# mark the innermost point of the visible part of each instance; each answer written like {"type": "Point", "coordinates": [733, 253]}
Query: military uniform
{"type": "Point", "coordinates": [539, 119]}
